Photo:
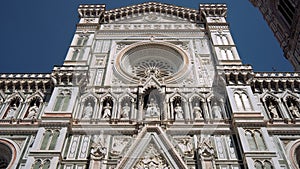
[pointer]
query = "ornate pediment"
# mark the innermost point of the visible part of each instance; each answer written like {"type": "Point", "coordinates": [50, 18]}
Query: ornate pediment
{"type": "Point", "coordinates": [152, 18]}
{"type": "Point", "coordinates": [152, 149]}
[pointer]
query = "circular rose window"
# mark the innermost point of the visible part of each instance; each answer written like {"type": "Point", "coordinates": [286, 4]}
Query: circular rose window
{"type": "Point", "coordinates": [151, 59]}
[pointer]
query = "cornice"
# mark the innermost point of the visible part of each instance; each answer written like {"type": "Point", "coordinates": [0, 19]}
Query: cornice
{"type": "Point", "coordinates": [213, 10]}
{"type": "Point", "coordinates": [236, 74]}
{"type": "Point", "coordinates": [25, 82]}
{"type": "Point", "coordinates": [70, 75]}
{"type": "Point", "coordinates": [276, 81]}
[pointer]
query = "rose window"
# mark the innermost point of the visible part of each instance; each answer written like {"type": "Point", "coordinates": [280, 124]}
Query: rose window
{"type": "Point", "coordinates": [153, 67]}
{"type": "Point", "coordinates": [151, 59]}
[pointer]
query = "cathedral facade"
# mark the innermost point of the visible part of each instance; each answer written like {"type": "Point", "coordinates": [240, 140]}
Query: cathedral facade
{"type": "Point", "coordinates": [151, 86]}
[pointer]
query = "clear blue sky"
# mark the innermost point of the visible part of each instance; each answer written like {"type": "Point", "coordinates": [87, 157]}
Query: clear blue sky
{"type": "Point", "coordinates": [36, 34]}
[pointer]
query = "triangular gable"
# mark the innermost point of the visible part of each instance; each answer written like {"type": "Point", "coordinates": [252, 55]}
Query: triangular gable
{"type": "Point", "coordinates": [152, 139]}
{"type": "Point", "coordinates": [269, 94]}
{"type": "Point", "coordinates": [108, 94]}
{"type": "Point", "coordinates": [177, 94]}
{"type": "Point", "coordinates": [287, 94]}
{"type": "Point", "coordinates": [152, 82]}
{"type": "Point", "coordinates": [196, 95]}
{"type": "Point", "coordinates": [119, 14]}
{"type": "Point", "coordinates": [152, 18]}
{"type": "Point", "coordinates": [92, 95]}
{"type": "Point", "coordinates": [38, 94]}
{"type": "Point", "coordinates": [125, 94]}
{"type": "Point", "coordinates": [14, 95]}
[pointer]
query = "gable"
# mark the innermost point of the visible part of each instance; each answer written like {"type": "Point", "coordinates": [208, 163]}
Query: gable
{"type": "Point", "coordinates": [152, 18]}
{"type": "Point", "coordinates": [152, 149]}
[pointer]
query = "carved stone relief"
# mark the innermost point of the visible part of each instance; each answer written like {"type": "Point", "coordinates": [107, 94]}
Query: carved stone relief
{"type": "Point", "coordinates": [152, 159]}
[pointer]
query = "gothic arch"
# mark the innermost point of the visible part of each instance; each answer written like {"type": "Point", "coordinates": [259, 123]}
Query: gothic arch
{"type": "Point", "coordinates": [126, 106]}
{"type": "Point", "coordinates": [13, 105]}
{"type": "Point", "coordinates": [33, 105]}
{"type": "Point", "coordinates": [271, 105]}
{"type": "Point", "coordinates": [62, 100]}
{"type": "Point", "coordinates": [291, 103]}
{"type": "Point", "coordinates": [215, 106]}
{"type": "Point", "coordinates": [154, 94]}
{"type": "Point", "coordinates": [88, 102]}
{"type": "Point", "coordinates": [50, 138]}
{"type": "Point", "coordinates": [107, 106]}
{"type": "Point", "coordinates": [197, 106]}
{"type": "Point", "coordinates": [242, 100]}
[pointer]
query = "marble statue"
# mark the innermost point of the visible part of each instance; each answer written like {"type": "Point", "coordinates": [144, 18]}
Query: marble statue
{"type": "Point", "coordinates": [107, 111]}
{"type": "Point", "coordinates": [197, 111]}
{"type": "Point", "coordinates": [273, 111]}
{"type": "Point", "coordinates": [178, 111]}
{"type": "Point", "coordinates": [125, 111]}
{"type": "Point", "coordinates": [88, 111]}
{"type": "Point", "coordinates": [11, 112]}
{"type": "Point", "coordinates": [152, 108]}
{"type": "Point", "coordinates": [294, 110]}
{"type": "Point", "coordinates": [32, 113]}
{"type": "Point", "coordinates": [216, 111]}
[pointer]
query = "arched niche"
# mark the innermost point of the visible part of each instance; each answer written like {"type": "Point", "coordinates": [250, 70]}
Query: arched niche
{"type": "Point", "coordinates": [272, 107]}
{"type": "Point", "coordinates": [88, 107]}
{"type": "Point", "coordinates": [33, 108]}
{"type": "Point", "coordinates": [177, 104]}
{"type": "Point", "coordinates": [107, 108]}
{"type": "Point", "coordinates": [13, 108]}
{"type": "Point", "coordinates": [152, 103]}
{"type": "Point", "coordinates": [197, 107]}
{"type": "Point", "coordinates": [292, 106]}
{"type": "Point", "coordinates": [126, 108]}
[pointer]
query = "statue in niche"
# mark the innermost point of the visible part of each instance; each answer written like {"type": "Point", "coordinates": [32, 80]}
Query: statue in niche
{"type": "Point", "coordinates": [216, 111]}
{"type": "Point", "coordinates": [273, 111]}
{"type": "Point", "coordinates": [178, 111]}
{"type": "Point", "coordinates": [32, 112]}
{"type": "Point", "coordinates": [88, 111]}
{"type": "Point", "coordinates": [152, 108]}
{"type": "Point", "coordinates": [294, 110]}
{"type": "Point", "coordinates": [107, 111]}
{"type": "Point", "coordinates": [125, 111]}
{"type": "Point", "coordinates": [186, 146]}
{"type": "Point", "coordinates": [98, 150]}
{"type": "Point", "coordinates": [12, 111]}
{"type": "Point", "coordinates": [197, 111]}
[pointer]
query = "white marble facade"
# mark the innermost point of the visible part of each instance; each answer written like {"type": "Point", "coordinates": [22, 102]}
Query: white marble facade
{"type": "Point", "coordinates": [150, 86]}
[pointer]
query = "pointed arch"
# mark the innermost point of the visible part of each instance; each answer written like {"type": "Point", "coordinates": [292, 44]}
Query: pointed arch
{"type": "Point", "coordinates": [126, 106]}
{"type": "Point", "coordinates": [13, 105]}
{"type": "Point", "coordinates": [107, 106]}
{"type": "Point", "coordinates": [197, 106]}
{"type": "Point", "coordinates": [179, 106]}
{"type": "Point", "coordinates": [89, 105]}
